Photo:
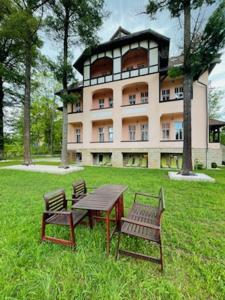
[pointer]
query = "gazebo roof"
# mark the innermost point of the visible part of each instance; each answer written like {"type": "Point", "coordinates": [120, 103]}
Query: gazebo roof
{"type": "Point", "coordinates": [218, 123]}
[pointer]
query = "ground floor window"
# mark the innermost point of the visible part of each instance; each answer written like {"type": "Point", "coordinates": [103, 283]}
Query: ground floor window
{"type": "Point", "coordinates": [135, 160]}
{"type": "Point", "coordinates": [102, 159]}
{"type": "Point", "coordinates": [78, 157]}
{"type": "Point", "coordinates": [171, 160]}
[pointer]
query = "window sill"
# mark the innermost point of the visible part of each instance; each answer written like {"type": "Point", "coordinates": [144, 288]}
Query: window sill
{"type": "Point", "coordinates": [171, 100]}
{"type": "Point", "coordinates": [101, 108]}
{"type": "Point", "coordinates": [134, 104]}
{"type": "Point", "coordinates": [134, 141]}
{"type": "Point", "coordinates": [102, 142]}
{"type": "Point", "coordinates": [75, 112]}
{"type": "Point", "coordinates": [75, 143]}
{"type": "Point", "coordinates": [171, 140]}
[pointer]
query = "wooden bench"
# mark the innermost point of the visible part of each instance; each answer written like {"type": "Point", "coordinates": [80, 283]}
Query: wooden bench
{"type": "Point", "coordinates": [144, 221]}
{"type": "Point", "coordinates": [56, 213]}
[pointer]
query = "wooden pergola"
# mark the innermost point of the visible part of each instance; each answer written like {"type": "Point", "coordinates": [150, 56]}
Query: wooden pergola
{"type": "Point", "coordinates": [214, 130]}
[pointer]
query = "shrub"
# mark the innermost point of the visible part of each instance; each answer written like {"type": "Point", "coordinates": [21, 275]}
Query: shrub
{"type": "Point", "coordinates": [214, 165]}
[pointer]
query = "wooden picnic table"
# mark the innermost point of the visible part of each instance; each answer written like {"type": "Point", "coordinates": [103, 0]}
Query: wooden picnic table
{"type": "Point", "coordinates": [105, 199]}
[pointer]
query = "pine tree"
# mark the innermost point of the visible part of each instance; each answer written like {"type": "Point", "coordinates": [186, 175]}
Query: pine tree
{"type": "Point", "coordinates": [198, 53]}
{"type": "Point", "coordinates": [73, 21]}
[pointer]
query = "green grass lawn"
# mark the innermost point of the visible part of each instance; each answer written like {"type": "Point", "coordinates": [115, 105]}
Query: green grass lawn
{"type": "Point", "coordinates": [193, 238]}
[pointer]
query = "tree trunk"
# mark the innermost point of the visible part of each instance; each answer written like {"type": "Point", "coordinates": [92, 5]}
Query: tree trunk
{"type": "Point", "coordinates": [188, 86]}
{"type": "Point", "coordinates": [64, 154]}
{"type": "Point", "coordinates": [1, 120]}
{"type": "Point", "coordinates": [27, 153]}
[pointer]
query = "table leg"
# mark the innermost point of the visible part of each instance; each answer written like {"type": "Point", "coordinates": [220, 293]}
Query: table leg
{"type": "Point", "coordinates": [107, 221]}
{"type": "Point", "coordinates": [90, 217]}
{"type": "Point", "coordinates": [121, 207]}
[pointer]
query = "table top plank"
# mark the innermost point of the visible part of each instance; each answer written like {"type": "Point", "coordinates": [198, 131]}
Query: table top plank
{"type": "Point", "coordinates": [103, 198]}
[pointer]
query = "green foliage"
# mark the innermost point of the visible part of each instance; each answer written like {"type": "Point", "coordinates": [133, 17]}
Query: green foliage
{"type": "Point", "coordinates": [192, 232]}
{"type": "Point", "coordinates": [175, 7]}
{"type": "Point", "coordinates": [174, 72]}
{"type": "Point", "coordinates": [212, 41]}
{"type": "Point", "coordinates": [215, 98]}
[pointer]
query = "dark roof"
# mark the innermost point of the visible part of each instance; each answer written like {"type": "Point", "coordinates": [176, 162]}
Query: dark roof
{"type": "Point", "coordinates": [214, 122]}
{"type": "Point", "coordinates": [119, 33]}
{"type": "Point", "coordinates": [121, 41]}
{"type": "Point", "coordinates": [77, 86]}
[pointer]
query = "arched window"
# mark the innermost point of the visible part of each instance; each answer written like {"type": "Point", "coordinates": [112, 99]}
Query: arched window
{"type": "Point", "coordinates": [102, 67]}
{"type": "Point", "coordinates": [134, 59]}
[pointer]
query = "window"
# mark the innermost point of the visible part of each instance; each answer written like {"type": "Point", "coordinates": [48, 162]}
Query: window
{"type": "Point", "coordinates": [144, 97]}
{"type": "Point", "coordinates": [77, 135]}
{"type": "Point", "coordinates": [77, 107]}
{"type": "Point", "coordinates": [110, 134]}
{"type": "Point", "coordinates": [101, 134]}
{"type": "Point", "coordinates": [144, 132]}
{"type": "Point", "coordinates": [132, 129]}
{"type": "Point", "coordinates": [165, 131]}
{"type": "Point", "coordinates": [101, 103]}
{"type": "Point", "coordinates": [165, 95]}
{"type": "Point", "coordinates": [110, 102]}
{"type": "Point", "coordinates": [132, 99]}
{"type": "Point", "coordinates": [179, 92]}
{"type": "Point", "coordinates": [179, 130]}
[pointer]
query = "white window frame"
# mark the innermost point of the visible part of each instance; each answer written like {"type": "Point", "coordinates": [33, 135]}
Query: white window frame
{"type": "Point", "coordinates": [179, 92]}
{"type": "Point", "coordinates": [144, 97]}
{"type": "Point", "coordinates": [110, 133]}
{"type": "Point", "coordinates": [101, 137]}
{"type": "Point", "coordinates": [132, 99]}
{"type": "Point", "coordinates": [101, 103]}
{"type": "Point", "coordinates": [132, 132]}
{"type": "Point", "coordinates": [165, 130]}
{"type": "Point", "coordinates": [110, 102]}
{"type": "Point", "coordinates": [165, 94]}
{"type": "Point", "coordinates": [179, 135]}
{"type": "Point", "coordinates": [78, 135]}
{"type": "Point", "coordinates": [144, 132]}
{"type": "Point", "coordinates": [78, 106]}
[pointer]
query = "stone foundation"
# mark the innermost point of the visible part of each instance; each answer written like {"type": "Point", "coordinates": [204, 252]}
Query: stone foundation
{"type": "Point", "coordinates": [154, 156]}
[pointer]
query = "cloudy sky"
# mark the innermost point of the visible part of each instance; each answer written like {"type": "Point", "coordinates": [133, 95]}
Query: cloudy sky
{"type": "Point", "coordinates": [128, 14]}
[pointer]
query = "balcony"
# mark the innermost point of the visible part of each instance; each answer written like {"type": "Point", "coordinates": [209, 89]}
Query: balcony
{"type": "Point", "coordinates": [75, 108]}
{"type": "Point", "coordinates": [102, 131]}
{"type": "Point", "coordinates": [102, 99]}
{"type": "Point", "coordinates": [102, 67]}
{"type": "Point", "coordinates": [75, 133]}
{"type": "Point", "coordinates": [135, 94]}
{"type": "Point", "coordinates": [135, 129]}
{"type": "Point", "coordinates": [171, 90]}
{"type": "Point", "coordinates": [171, 129]}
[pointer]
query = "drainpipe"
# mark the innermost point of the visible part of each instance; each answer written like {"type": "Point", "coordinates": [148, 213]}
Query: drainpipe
{"type": "Point", "coordinates": [207, 120]}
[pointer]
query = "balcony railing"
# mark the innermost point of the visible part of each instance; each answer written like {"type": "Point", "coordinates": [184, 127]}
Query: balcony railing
{"type": "Point", "coordinates": [133, 141]}
{"type": "Point", "coordinates": [134, 104]}
{"type": "Point", "coordinates": [100, 142]}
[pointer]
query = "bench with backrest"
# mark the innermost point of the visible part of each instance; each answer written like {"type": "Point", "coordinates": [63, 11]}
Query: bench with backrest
{"type": "Point", "coordinates": [56, 213]}
{"type": "Point", "coordinates": [144, 221]}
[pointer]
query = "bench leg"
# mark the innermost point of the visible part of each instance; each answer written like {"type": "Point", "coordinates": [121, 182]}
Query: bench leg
{"type": "Point", "coordinates": [161, 256]}
{"type": "Point", "coordinates": [43, 226]}
{"type": "Point", "coordinates": [118, 245]}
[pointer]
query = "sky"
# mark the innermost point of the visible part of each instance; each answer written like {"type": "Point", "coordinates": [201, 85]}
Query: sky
{"type": "Point", "coordinates": [129, 15]}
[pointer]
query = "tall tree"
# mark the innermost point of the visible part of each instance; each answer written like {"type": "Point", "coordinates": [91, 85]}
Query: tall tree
{"type": "Point", "coordinates": [200, 49]}
{"type": "Point", "coordinates": [215, 102]}
{"type": "Point", "coordinates": [10, 65]}
{"type": "Point", "coordinates": [23, 26]}
{"type": "Point", "coordinates": [73, 21]}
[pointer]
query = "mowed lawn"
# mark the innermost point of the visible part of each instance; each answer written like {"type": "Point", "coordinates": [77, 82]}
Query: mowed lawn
{"type": "Point", "coordinates": [193, 238]}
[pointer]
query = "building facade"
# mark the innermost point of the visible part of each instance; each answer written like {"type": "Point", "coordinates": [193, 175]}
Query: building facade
{"type": "Point", "coordinates": [130, 111]}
